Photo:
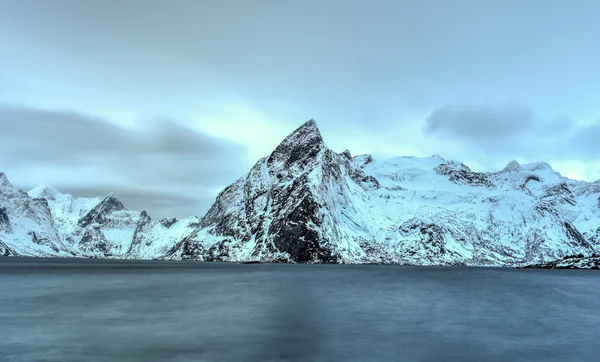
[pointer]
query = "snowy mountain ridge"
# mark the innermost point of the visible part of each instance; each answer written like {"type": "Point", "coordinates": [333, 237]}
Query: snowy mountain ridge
{"type": "Point", "coordinates": [307, 203]}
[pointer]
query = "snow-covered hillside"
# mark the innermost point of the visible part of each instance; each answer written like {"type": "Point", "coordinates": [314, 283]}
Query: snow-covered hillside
{"type": "Point", "coordinates": [45, 222]}
{"type": "Point", "coordinates": [306, 203]}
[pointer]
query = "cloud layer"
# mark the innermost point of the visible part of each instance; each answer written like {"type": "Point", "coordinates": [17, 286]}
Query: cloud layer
{"type": "Point", "coordinates": [157, 164]}
{"type": "Point", "coordinates": [483, 82]}
{"type": "Point", "coordinates": [497, 132]}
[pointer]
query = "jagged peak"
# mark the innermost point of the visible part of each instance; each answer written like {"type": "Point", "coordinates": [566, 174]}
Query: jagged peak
{"type": "Point", "coordinates": [308, 132]}
{"type": "Point", "coordinates": [4, 180]}
{"type": "Point", "coordinates": [299, 143]}
{"type": "Point", "coordinates": [513, 166]}
{"type": "Point", "coordinates": [107, 205]}
{"type": "Point", "coordinates": [112, 202]}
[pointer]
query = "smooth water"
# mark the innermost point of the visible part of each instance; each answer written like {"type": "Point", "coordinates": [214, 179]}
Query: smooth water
{"type": "Point", "coordinates": [99, 310]}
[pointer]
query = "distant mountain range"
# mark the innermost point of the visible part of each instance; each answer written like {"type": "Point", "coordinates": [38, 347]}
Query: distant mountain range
{"type": "Point", "coordinates": [307, 203]}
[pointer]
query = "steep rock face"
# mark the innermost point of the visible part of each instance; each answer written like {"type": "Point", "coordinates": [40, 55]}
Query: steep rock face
{"type": "Point", "coordinates": [5, 250]}
{"type": "Point", "coordinates": [100, 212]}
{"type": "Point", "coordinates": [306, 203]}
{"type": "Point", "coordinates": [5, 225]}
{"type": "Point", "coordinates": [288, 207]}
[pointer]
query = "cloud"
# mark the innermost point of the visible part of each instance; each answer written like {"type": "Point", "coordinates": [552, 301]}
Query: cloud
{"type": "Point", "coordinates": [490, 136]}
{"type": "Point", "coordinates": [501, 130]}
{"type": "Point", "coordinates": [480, 123]}
{"type": "Point", "coordinates": [160, 202]}
{"type": "Point", "coordinates": [159, 161]}
{"type": "Point", "coordinates": [587, 139]}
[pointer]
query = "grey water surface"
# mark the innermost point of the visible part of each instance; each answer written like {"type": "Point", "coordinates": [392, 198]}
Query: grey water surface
{"type": "Point", "coordinates": [109, 310]}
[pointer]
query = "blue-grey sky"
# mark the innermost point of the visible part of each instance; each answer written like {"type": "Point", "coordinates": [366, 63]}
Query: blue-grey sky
{"type": "Point", "coordinates": [165, 102]}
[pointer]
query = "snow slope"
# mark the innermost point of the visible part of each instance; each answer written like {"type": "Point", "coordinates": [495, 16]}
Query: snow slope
{"type": "Point", "coordinates": [307, 203]}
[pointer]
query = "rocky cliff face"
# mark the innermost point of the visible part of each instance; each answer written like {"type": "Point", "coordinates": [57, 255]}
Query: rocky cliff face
{"type": "Point", "coordinates": [307, 203]}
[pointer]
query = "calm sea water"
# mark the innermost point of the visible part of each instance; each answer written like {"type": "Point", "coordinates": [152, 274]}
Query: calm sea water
{"type": "Point", "coordinates": [98, 310]}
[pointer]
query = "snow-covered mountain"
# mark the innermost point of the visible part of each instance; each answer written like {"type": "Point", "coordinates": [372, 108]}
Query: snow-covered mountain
{"type": "Point", "coordinates": [45, 222]}
{"type": "Point", "coordinates": [307, 203]}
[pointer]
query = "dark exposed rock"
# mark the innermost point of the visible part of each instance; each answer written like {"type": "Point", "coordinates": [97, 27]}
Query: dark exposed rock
{"type": "Point", "coordinates": [362, 179]}
{"type": "Point", "coordinates": [301, 145]}
{"type": "Point", "coordinates": [4, 220]}
{"type": "Point", "coordinates": [575, 235]}
{"type": "Point", "coordinates": [186, 249]}
{"type": "Point", "coordinates": [530, 178]}
{"type": "Point", "coordinates": [560, 193]}
{"type": "Point", "coordinates": [139, 234]}
{"type": "Point", "coordinates": [168, 222]}
{"type": "Point", "coordinates": [297, 237]}
{"type": "Point", "coordinates": [462, 174]}
{"type": "Point", "coordinates": [579, 261]}
{"type": "Point", "coordinates": [109, 204]}
{"type": "Point", "coordinates": [5, 250]}
{"type": "Point", "coordinates": [40, 240]}
{"type": "Point", "coordinates": [94, 240]}
{"type": "Point", "coordinates": [433, 234]}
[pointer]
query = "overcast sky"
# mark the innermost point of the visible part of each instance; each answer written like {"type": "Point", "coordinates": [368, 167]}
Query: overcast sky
{"type": "Point", "coordinates": [166, 102]}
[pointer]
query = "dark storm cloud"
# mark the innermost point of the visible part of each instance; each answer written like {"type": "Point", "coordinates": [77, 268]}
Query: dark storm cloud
{"type": "Point", "coordinates": [160, 155]}
{"type": "Point", "coordinates": [587, 139]}
{"type": "Point", "coordinates": [505, 130]}
{"type": "Point", "coordinates": [480, 123]}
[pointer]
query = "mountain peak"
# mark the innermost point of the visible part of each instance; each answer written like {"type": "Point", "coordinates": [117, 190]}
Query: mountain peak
{"type": "Point", "coordinates": [4, 180]}
{"type": "Point", "coordinates": [305, 141]}
{"type": "Point", "coordinates": [308, 130]}
{"type": "Point", "coordinates": [513, 166]}
{"type": "Point", "coordinates": [108, 204]}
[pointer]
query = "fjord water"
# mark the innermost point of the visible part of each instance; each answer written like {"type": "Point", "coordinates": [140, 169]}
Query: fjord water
{"type": "Point", "coordinates": [102, 310]}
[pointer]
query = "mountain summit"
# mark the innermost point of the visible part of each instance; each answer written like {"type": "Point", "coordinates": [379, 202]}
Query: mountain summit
{"type": "Point", "coordinates": [307, 203]}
